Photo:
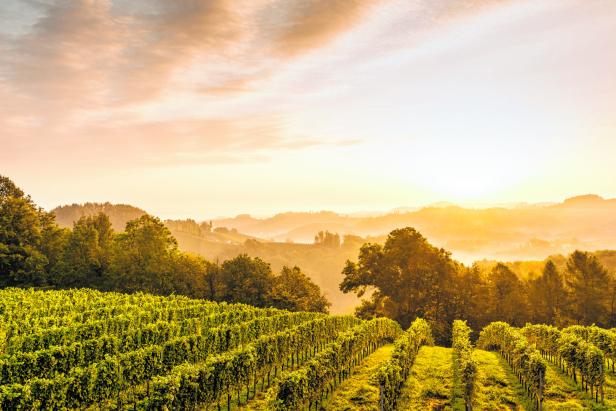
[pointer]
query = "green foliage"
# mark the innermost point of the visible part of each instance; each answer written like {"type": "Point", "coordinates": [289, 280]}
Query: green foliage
{"type": "Point", "coordinates": [332, 364]}
{"type": "Point", "coordinates": [408, 277]}
{"type": "Point", "coordinates": [571, 351]}
{"type": "Point", "coordinates": [523, 357]}
{"type": "Point", "coordinates": [293, 290]}
{"type": "Point", "coordinates": [246, 279]}
{"type": "Point", "coordinates": [548, 296]}
{"type": "Point", "coordinates": [34, 251]}
{"type": "Point", "coordinates": [87, 253]}
{"type": "Point", "coordinates": [77, 348]}
{"type": "Point", "coordinates": [27, 238]}
{"type": "Point", "coordinates": [464, 363]}
{"type": "Point", "coordinates": [392, 375]}
{"type": "Point", "coordinates": [507, 295]}
{"type": "Point", "coordinates": [603, 339]}
{"type": "Point", "coordinates": [587, 281]}
{"type": "Point", "coordinates": [411, 279]}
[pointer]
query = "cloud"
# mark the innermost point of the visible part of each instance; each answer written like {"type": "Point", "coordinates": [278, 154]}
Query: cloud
{"type": "Point", "coordinates": [80, 74]}
{"type": "Point", "coordinates": [86, 53]}
{"type": "Point", "coordinates": [137, 143]}
{"type": "Point", "coordinates": [103, 53]}
{"type": "Point", "coordinates": [178, 33]}
{"type": "Point", "coordinates": [310, 24]}
{"type": "Point", "coordinates": [66, 56]}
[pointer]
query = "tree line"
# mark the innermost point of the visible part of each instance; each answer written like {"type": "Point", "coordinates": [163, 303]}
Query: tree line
{"type": "Point", "coordinates": [404, 278]}
{"type": "Point", "coordinates": [36, 252]}
{"type": "Point", "coordinates": [407, 277]}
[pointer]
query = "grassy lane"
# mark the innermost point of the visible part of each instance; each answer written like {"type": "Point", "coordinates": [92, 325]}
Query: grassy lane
{"type": "Point", "coordinates": [497, 388]}
{"type": "Point", "coordinates": [430, 385]}
{"type": "Point", "coordinates": [609, 390]}
{"type": "Point", "coordinates": [358, 392]}
{"type": "Point", "coordinates": [562, 394]}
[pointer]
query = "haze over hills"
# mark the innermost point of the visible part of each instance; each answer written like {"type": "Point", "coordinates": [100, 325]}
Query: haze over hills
{"type": "Point", "coordinates": [523, 232]}
{"type": "Point", "coordinates": [520, 232]}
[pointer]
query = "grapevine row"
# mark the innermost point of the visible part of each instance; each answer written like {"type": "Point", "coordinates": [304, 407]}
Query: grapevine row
{"type": "Point", "coordinates": [107, 378]}
{"type": "Point", "coordinates": [220, 376]}
{"type": "Point", "coordinates": [463, 361]}
{"type": "Point", "coordinates": [524, 358]}
{"type": "Point", "coordinates": [603, 339]}
{"type": "Point", "coordinates": [120, 325]}
{"type": "Point", "coordinates": [393, 374]}
{"type": "Point", "coordinates": [572, 354]}
{"type": "Point", "coordinates": [308, 384]}
{"type": "Point", "coordinates": [21, 304]}
{"type": "Point", "coordinates": [49, 362]}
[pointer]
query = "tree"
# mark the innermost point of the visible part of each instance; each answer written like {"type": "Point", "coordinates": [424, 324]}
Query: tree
{"type": "Point", "coordinates": [327, 239]}
{"type": "Point", "coordinates": [22, 262]}
{"type": "Point", "coordinates": [214, 286]}
{"type": "Point", "coordinates": [293, 290]}
{"type": "Point", "coordinates": [470, 297]}
{"type": "Point", "coordinates": [246, 280]}
{"type": "Point", "coordinates": [52, 244]}
{"type": "Point", "coordinates": [507, 296]}
{"type": "Point", "coordinates": [188, 275]}
{"type": "Point", "coordinates": [410, 278]}
{"type": "Point", "coordinates": [87, 255]}
{"type": "Point", "coordinates": [548, 296]}
{"type": "Point", "coordinates": [587, 283]}
{"type": "Point", "coordinates": [143, 256]}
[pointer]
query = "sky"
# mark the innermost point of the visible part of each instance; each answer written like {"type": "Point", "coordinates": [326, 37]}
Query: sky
{"type": "Point", "coordinates": [199, 109]}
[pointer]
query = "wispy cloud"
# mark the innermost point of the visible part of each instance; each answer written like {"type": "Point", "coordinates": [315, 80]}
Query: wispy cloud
{"type": "Point", "coordinates": [84, 72]}
{"type": "Point", "coordinates": [309, 24]}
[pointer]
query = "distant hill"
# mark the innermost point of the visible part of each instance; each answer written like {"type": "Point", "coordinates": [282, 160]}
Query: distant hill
{"type": "Point", "coordinates": [119, 214]}
{"type": "Point", "coordinates": [522, 232]}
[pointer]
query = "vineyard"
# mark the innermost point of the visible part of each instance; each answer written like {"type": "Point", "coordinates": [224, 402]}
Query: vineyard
{"type": "Point", "coordinates": [84, 349]}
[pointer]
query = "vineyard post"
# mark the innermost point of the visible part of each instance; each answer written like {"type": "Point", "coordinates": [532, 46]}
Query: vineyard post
{"type": "Point", "coordinates": [381, 398]}
{"type": "Point", "coordinates": [540, 390]}
{"type": "Point", "coordinates": [601, 387]}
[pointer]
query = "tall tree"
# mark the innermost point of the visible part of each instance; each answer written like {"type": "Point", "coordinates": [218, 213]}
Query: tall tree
{"type": "Point", "coordinates": [87, 255]}
{"type": "Point", "coordinates": [410, 278]}
{"type": "Point", "coordinates": [587, 282]}
{"type": "Point", "coordinates": [548, 296]}
{"type": "Point", "coordinates": [471, 297]}
{"type": "Point", "coordinates": [22, 261]}
{"type": "Point", "coordinates": [327, 239]}
{"type": "Point", "coordinates": [52, 244]}
{"type": "Point", "coordinates": [214, 286]}
{"type": "Point", "coordinates": [188, 275]}
{"type": "Point", "coordinates": [293, 290]}
{"type": "Point", "coordinates": [142, 256]}
{"type": "Point", "coordinates": [246, 280]}
{"type": "Point", "coordinates": [507, 296]}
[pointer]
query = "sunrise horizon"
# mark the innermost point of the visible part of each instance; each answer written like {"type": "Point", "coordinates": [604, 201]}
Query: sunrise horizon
{"type": "Point", "coordinates": [270, 106]}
